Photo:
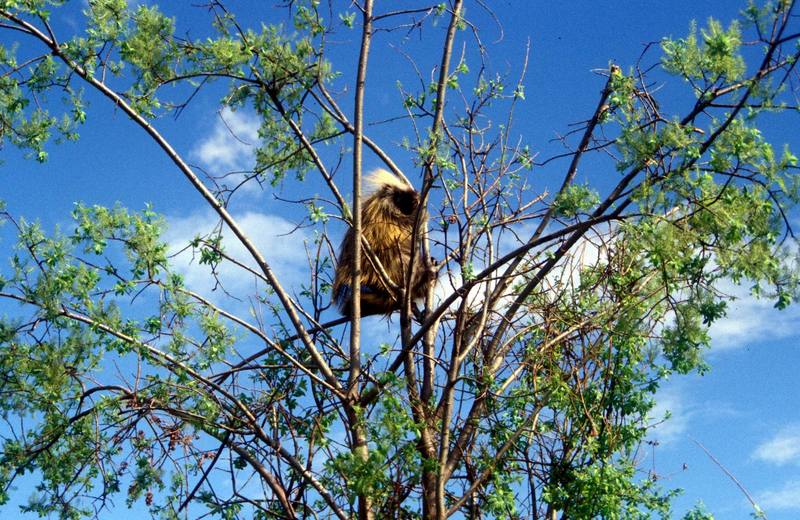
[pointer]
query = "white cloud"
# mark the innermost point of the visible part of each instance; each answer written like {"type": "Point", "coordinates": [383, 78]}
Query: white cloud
{"type": "Point", "coordinates": [447, 284]}
{"type": "Point", "coordinates": [751, 320]}
{"type": "Point", "coordinates": [666, 431]}
{"type": "Point", "coordinates": [591, 251]}
{"type": "Point", "coordinates": [232, 142]}
{"type": "Point", "coordinates": [781, 449]}
{"type": "Point", "coordinates": [786, 497]}
{"type": "Point", "coordinates": [561, 282]}
{"type": "Point", "coordinates": [275, 237]}
{"type": "Point", "coordinates": [689, 415]}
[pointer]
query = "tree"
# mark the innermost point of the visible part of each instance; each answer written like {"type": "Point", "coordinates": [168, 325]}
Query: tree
{"type": "Point", "coordinates": [520, 388]}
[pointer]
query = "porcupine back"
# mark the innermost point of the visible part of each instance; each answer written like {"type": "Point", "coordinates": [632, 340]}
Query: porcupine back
{"type": "Point", "coordinates": [387, 222]}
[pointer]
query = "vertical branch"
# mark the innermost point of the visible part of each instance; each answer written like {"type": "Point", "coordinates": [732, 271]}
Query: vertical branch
{"type": "Point", "coordinates": [356, 420]}
{"type": "Point", "coordinates": [430, 335]}
{"type": "Point", "coordinates": [433, 504]}
{"type": "Point", "coordinates": [358, 139]}
{"type": "Point", "coordinates": [436, 130]}
{"type": "Point", "coordinates": [422, 228]}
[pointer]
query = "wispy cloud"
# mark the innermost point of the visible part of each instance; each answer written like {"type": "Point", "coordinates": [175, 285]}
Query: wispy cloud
{"type": "Point", "coordinates": [785, 497]}
{"type": "Point", "coordinates": [751, 320]}
{"type": "Point", "coordinates": [282, 245]}
{"type": "Point", "coordinates": [562, 281]}
{"type": "Point", "coordinates": [782, 448]}
{"type": "Point", "coordinates": [231, 144]}
{"type": "Point", "coordinates": [668, 430]}
{"type": "Point", "coordinates": [688, 414]}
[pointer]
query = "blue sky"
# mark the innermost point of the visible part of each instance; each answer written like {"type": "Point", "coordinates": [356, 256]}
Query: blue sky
{"type": "Point", "coordinates": [744, 411]}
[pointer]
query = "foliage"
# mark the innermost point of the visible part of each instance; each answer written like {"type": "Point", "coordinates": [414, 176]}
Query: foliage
{"type": "Point", "coordinates": [526, 391]}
